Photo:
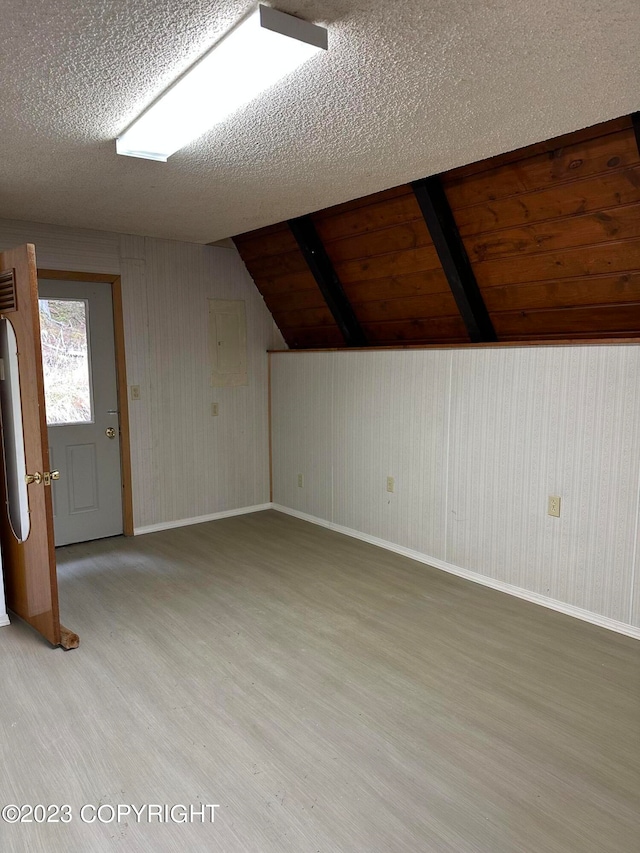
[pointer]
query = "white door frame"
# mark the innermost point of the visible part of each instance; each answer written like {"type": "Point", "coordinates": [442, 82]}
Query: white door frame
{"type": "Point", "coordinates": [121, 378]}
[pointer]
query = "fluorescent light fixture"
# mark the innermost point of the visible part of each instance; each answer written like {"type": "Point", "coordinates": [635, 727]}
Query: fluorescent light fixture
{"type": "Point", "coordinates": [260, 50]}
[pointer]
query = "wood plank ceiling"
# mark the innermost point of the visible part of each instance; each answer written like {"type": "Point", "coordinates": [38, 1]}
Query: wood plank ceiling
{"type": "Point", "coordinates": [541, 243]}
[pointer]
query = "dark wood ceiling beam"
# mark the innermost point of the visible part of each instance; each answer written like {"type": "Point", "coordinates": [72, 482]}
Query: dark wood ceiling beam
{"type": "Point", "coordinates": [325, 275]}
{"type": "Point", "coordinates": [454, 259]}
{"type": "Point", "coordinates": [635, 118]}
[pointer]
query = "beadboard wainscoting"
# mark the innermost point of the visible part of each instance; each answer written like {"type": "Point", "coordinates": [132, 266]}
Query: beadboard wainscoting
{"type": "Point", "coordinates": [476, 440]}
{"type": "Point", "coordinates": [185, 464]}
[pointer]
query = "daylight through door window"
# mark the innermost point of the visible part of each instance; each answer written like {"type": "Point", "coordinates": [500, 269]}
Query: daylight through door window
{"type": "Point", "coordinates": [65, 361]}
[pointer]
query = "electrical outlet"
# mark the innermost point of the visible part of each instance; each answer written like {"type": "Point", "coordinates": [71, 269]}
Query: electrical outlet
{"type": "Point", "coordinates": [554, 506]}
{"type": "Point", "coordinates": [391, 484]}
{"type": "Point", "coordinates": [214, 410]}
{"type": "Point", "coordinates": [300, 480]}
{"type": "Point", "coordinates": [135, 392]}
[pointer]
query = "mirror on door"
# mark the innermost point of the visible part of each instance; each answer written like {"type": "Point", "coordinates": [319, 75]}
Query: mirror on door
{"type": "Point", "coordinates": [13, 454]}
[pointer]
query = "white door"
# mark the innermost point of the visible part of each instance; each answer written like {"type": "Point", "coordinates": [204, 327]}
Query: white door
{"type": "Point", "coordinates": [78, 356]}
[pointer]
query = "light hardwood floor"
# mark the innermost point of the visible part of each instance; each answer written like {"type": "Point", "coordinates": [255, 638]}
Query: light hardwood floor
{"type": "Point", "coordinates": [329, 695]}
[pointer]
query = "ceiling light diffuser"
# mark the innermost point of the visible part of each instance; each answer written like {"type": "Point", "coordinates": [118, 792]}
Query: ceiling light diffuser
{"type": "Point", "coordinates": [259, 51]}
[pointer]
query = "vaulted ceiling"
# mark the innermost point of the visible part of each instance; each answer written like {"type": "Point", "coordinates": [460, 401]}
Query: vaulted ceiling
{"type": "Point", "coordinates": [540, 243]}
{"type": "Point", "coordinates": [407, 89]}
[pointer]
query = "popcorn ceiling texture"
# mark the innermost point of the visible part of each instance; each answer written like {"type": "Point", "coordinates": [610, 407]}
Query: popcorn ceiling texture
{"type": "Point", "coordinates": [407, 89]}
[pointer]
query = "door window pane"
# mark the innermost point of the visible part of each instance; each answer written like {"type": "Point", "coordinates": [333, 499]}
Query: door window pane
{"type": "Point", "coordinates": [65, 361]}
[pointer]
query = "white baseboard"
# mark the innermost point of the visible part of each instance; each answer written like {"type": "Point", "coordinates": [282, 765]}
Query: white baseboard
{"type": "Point", "coordinates": [527, 595]}
{"type": "Point", "coordinates": [4, 620]}
{"type": "Point", "coordinates": [185, 522]}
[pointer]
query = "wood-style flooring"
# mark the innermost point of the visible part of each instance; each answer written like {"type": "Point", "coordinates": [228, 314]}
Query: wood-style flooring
{"type": "Point", "coordinates": [330, 696]}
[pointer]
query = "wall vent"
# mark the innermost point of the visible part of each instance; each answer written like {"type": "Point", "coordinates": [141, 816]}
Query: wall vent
{"type": "Point", "coordinates": [7, 291]}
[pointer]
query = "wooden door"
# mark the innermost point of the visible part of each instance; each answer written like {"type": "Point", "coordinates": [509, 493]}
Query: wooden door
{"type": "Point", "coordinates": [26, 517]}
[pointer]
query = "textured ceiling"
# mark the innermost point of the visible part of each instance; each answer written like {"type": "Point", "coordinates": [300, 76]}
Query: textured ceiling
{"type": "Point", "coordinates": [407, 89]}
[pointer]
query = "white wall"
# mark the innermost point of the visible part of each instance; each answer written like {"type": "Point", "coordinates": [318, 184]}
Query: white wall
{"type": "Point", "coordinates": [477, 439]}
{"type": "Point", "coordinates": [185, 464]}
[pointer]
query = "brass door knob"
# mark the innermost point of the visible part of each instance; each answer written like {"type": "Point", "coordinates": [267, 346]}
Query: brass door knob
{"type": "Point", "coordinates": [33, 478]}
{"type": "Point", "coordinates": [110, 432]}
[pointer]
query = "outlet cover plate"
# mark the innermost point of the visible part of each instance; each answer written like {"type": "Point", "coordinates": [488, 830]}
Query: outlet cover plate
{"type": "Point", "coordinates": [554, 506]}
